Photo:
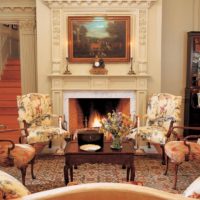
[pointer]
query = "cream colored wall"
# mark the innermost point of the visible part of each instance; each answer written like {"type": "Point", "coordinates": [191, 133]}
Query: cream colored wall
{"type": "Point", "coordinates": [179, 17]}
{"type": "Point", "coordinates": [154, 47]}
{"type": "Point", "coordinates": [43, 47]}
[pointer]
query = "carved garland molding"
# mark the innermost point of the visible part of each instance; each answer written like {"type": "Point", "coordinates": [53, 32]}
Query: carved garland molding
{"type": "Point", "coordinates": [95, 3]}
{"type": "Point", "coordinates": [17, 9]}
{"type": "Point", "coordinates": [17, 6]}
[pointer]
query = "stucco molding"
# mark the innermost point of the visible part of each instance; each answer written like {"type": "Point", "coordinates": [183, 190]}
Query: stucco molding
{"type": "Point", "coordinates": [27, 25]}
{"type": "Point", "coordinates": [101, 3]}
{"type": "Point", "coordinates": [17, 10]}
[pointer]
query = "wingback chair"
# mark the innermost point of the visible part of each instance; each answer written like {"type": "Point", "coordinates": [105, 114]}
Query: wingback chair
{"type": "Point", "coordinates": [35, 113]}
{"type": "Point", "coordinates": [19, 155]}
{"type": "Point", "coordinates": [183, 150]}
{"type": "Point", "coordinates": [163, 111]}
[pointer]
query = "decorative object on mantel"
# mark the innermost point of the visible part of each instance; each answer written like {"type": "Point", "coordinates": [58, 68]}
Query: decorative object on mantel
{"type": "Point", "coordinates": [131, 71]}
{"type": "Point", "coordinates": [98, 66]}
{"type": "Point", "coordinates": [67, 70]}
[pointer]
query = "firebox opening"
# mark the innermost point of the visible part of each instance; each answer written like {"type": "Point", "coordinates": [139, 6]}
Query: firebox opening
{"type": "Point", "coordinates": [83, 112]}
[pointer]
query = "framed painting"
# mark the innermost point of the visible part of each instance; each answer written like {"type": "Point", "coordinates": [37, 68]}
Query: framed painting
{"type": "Point", "coordinates": [107, 37]}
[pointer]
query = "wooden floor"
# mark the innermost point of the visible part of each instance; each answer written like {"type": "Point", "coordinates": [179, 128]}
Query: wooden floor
{"type": "Point", "coordinates": [10, 87]}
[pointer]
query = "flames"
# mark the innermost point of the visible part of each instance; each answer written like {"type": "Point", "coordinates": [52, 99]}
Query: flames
{"type": "Point", "coordinates": [95, 120]}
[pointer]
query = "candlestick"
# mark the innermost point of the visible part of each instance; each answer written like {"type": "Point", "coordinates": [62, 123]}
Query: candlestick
{"type": "Point", "coordinates": [137, 138]}
{"type": "Point", "coordinates": [60, 122]}
{"type": "Point", "coordinates": [67, 70]}
{"type": "Point", "coordinates": [131, 71]}
{"type": "Point", "coordinates": [138, 124]}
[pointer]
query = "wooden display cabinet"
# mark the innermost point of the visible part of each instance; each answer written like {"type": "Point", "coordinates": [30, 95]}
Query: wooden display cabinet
{"type": "Point", "coordinates": [192, 104]}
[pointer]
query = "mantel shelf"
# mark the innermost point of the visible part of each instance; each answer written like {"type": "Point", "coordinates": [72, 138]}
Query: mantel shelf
{"type": "Point", "coordinates": [107, 75]}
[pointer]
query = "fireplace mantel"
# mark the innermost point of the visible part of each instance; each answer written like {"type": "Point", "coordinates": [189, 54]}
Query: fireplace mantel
{"type": "Point", "coordinates": [98, 82]}
{"type": "Point", "coordinates": [63, 85]}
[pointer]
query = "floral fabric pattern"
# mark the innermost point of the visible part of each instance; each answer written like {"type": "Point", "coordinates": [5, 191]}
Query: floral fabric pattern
{"type": "Point", "coordinates": [45, 134]}
{"type": "Point", "coordinates": [162, 108]}
{"type": "Point", "coordinates": [176, 151]}
{"type": "Point", "coordinates": [22, 154]}
{"type": "Point", "coordinates": [36, 110]}
{"type": "Point", "coordinates": [10, 187]}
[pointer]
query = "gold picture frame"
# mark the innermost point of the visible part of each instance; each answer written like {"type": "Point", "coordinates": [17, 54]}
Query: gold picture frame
{"type": "Point", "coordinates": [107, 37]}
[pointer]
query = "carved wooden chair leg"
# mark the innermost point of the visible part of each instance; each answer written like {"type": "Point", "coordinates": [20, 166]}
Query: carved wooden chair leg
{"type": "Point", "coordinates": [149, 145]}
{"type": "Point", "coordinates": [32, 165]}
{"type": "Point", "coordinates": [175, 175]}
{"type": "Point", "coordinates": [23, 172]}
{"type": "Point", "coordinates": [167, 166]}
{"type": "Point", "coordinates": [123, 166]}
{"type": "Point", "coordinates": [163, 154]}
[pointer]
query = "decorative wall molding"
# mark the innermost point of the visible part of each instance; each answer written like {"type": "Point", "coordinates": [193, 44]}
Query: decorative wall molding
{"type": "Point", "coordinates": [27, 25]}
{"type": "Point", "coordinates": [17, 7]}
{"type": "Point", "coordinates": [142, 26]}
{"type": "Point", "coordinates": [18, 3]}
{"type": "Point", "coordinates": [96, 3]}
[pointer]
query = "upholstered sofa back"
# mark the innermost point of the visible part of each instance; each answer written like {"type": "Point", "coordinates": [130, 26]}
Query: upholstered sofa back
{"type": "Point", "coordinates": [104, 191]}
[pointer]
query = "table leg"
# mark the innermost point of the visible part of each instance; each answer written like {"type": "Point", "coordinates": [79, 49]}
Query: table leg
{"type": "Point", "coordinates": [66, 175]}
{"type": "Point", "coordinates": [71, 173]}
{"type": "Point", "coordinates": [132, 172]}
{"type": "Point", "coordinates": [127, 173]}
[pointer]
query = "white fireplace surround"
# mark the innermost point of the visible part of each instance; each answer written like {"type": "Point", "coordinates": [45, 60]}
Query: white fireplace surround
{"type": "Point", "coordinates": [98, 95]}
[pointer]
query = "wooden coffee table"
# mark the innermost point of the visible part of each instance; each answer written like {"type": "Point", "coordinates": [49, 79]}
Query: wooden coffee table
{"type": "Point", "coordinates": [74, 156]}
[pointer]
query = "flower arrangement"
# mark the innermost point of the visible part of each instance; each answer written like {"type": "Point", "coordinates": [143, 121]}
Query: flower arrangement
{"type": "Point", "coordinates": [116, 123]}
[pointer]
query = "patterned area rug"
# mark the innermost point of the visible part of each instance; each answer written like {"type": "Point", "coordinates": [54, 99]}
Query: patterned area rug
{"type": "Point", "coordinates": [49, 173]}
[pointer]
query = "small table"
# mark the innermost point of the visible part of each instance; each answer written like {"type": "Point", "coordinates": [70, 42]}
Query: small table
{"type": "Point", "coordinates": [75, 156]}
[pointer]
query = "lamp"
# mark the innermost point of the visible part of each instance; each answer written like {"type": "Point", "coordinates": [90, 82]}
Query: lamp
{"type": "Point", "coordinates": [67, 70]}
{"type": "Point", "coordinates": [131, 71]}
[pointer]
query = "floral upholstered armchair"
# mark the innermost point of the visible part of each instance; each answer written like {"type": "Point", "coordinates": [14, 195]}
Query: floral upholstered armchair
{"type": "Point", "coordinates": [35, 113]}
{"type": "Point", "coordinates": [19, 155]}
{"type": "Point", "coordinates": [163, 112]}
{"type": "Point", "coordinates": [180, 151]}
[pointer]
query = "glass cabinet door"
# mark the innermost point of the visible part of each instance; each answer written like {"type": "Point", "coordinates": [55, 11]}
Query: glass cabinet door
{"type": "Point", "coordinates": [195, 59]}
{"type": "Point", "coordinates": [192, 90]}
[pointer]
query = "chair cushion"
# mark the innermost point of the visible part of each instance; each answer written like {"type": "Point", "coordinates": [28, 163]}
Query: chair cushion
{"type": "Point", "coordinates": [11, 187]}
{"type": "Point", "coordinates": [45, 134]}
{"type": "Point", "coordinates": [193, 190]}
{"type": "Point", "coordinates": [154, 134]}
{"type": "Point", "coordinates": [22, 154]}
{"type": "Point", "coordinates": [176, 151]}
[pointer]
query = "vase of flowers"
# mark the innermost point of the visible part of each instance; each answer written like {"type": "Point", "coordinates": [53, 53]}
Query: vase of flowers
{"type": "Point", "coordinates": [118, 125]}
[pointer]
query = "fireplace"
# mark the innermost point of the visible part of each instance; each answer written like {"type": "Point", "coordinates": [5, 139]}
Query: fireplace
{"type": "Point", "coordinates": [86, 112]}
{"type": "Point", "coordinates": [82, 107]}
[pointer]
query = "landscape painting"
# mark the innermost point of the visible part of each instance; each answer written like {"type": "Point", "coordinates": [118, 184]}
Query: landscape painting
{"type": "Point", "coordinates": [104, 37]}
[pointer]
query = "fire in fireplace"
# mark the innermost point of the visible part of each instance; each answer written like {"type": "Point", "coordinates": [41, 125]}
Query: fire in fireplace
{"type": "Point", "coordinates": [87, 112]}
